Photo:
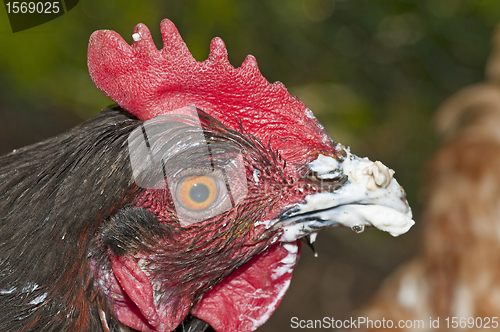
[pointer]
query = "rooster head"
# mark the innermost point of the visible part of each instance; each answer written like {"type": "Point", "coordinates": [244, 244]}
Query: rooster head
{"type": "Point", "coordinates": [231, 172]}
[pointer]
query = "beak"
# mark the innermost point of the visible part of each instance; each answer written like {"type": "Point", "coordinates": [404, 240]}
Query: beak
{"type": "Point", "coordinates": [369, 196]}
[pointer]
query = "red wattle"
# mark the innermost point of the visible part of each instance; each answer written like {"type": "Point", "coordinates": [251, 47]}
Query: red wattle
{"type": "Point", "coordinates": [247, 298]}
{"type": "Point", "coordinates": [136, 308]}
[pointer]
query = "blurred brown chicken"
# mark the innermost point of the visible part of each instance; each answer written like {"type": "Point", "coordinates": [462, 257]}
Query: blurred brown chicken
{"type": "Point", "coordinates": [457, 272]}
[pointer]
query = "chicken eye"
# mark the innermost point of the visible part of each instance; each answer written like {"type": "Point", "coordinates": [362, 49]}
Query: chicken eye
{"type": "Point", "coordinates": [198, 192]}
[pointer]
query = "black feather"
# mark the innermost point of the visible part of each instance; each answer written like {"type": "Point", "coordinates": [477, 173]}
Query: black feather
{"type": "Point", "coordinates": [53, 196]}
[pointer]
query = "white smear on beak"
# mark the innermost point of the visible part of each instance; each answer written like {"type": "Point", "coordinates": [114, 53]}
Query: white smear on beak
{"type": "Point", "coordinates": [293, 232]}
{"type": "Point", "coordinates": [370, 196]}
{"type": "Point", "coordinates": [312, 237]}
{"type": "Point", "coordinates": [326, 167]}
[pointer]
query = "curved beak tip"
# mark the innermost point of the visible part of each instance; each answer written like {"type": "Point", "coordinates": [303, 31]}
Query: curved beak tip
{"type": "Point", "coordinates": [370, 196]}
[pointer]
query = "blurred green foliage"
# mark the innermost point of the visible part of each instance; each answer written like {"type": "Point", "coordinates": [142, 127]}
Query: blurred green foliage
{"type": "Point", "coordinates": [373, 71]}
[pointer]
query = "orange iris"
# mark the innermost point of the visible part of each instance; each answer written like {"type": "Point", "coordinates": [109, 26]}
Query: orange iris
{"type": "Point", "coordinates": [197, 192]}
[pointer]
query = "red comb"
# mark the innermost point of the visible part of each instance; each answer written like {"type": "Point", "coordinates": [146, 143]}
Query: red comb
{"type": "Point", "coordinates": [148, 82]}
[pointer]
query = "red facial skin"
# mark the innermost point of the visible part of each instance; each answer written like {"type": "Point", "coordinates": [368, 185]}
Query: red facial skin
{"type": "Point", "coordinates": [149, 82]}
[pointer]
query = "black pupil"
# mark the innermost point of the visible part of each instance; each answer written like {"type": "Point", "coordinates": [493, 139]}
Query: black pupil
{"type": "Point", "coordinates": [199, 192]}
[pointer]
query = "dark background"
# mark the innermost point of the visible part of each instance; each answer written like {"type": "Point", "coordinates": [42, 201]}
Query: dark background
{"type": "Point", "coordinates": [373, 72]}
